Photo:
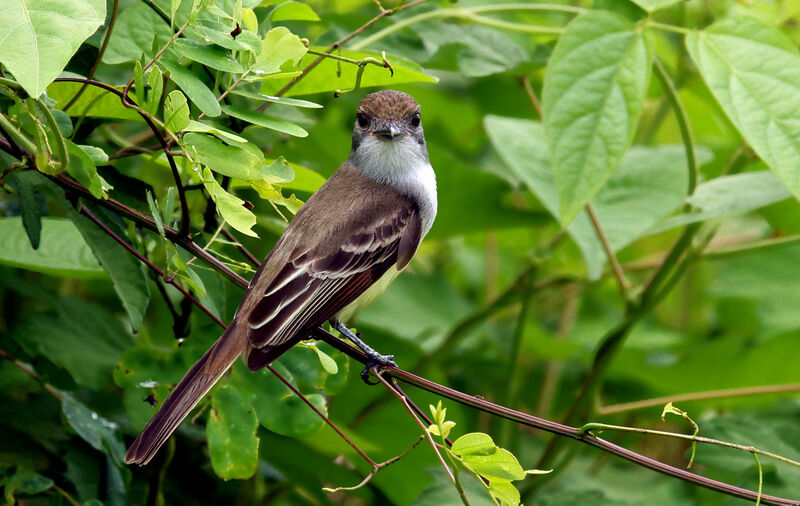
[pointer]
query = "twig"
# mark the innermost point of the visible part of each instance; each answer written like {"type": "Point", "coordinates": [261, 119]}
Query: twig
{"type": "Point", "coordinates": [30, 372]}
{"type": "Point", "coordinates": [526, 84]}
{"type": "Point", "coordinates": [619, 274]}
{"type": "Point", "coordinates": [254, 261]}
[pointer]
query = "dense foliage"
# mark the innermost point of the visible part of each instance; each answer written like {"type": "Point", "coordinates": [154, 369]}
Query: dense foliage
{"type": "Point", "coordinates": [629, 242]}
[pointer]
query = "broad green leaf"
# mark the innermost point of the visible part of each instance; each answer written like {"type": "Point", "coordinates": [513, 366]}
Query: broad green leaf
{"type": "Point", "coordinates": [295, 102]}
{"type": "Point", "coordinates": [210, 56]}
{"type": "Point", "coordinates": [327, 76]}
{"type": "Point", "coordinates": [230, 207]}
{"type": "Point", "coordinates": [62, 250]}
{"type": "Point", "coordinates": [125, 270]}
{"type": "Point", "coordinates": [224, 134]}
{"type": "Point", "coordinates": [94, 102]}
{"type": "Point", "coordinates": [729, 196]}
{"type": "Point", "coordinates": [82, 168]}
{"type": "Point", "coordinates": [260, 119]}
{"type": "Point", "coordinates": [133, 34]}
{"type": "Point", "coordinates": [99, 432]}
{"type": "Point", "coordinates": [220, 34]}
{"type": "Point", "coordinates": [650, 184]}
{"type": "Point", "coordinates": [279, 46]}
{"type": "Point", "coordinates": [594, 89]}
{"type": "Point", "coordinates": [83, 338]}
{"type": "Point", "coordinates": [278, 409]}
{"type": "Point", "coordinates": [474, 443]}
{"type": "Point", "coordinates": [654, 5]}
{"type": "Point", "coordinates": [505, 491]}
{"type": "Point", "coordinates": [38, 37]}
{"type": "Point", "coordinates": [500, 464]}
{"type": "Point", "coordinates": [187, 81]}
{"type": "Point", "coordinates": [31, 207]}
{"type": "Point", "coordinates": [233, 161]}
{"type": "Point", "coordinates": [24, 482]}
{"type": "Point", "coordinates": [293, 11]}
{"type": "Point", "coordinates": [753, 70]}
{"type": "Point", "coordinates": [231, 432]}
{"type": "Point", "coordinates": [176, 111]}
{"type": "Point", "coordinates": [326, 361]}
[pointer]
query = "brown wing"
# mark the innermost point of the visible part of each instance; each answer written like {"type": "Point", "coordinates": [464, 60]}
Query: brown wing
{"type": "Point", "coordinates": [316, 283]}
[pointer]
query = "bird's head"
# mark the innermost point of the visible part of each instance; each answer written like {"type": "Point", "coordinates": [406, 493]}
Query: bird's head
{"type": "Point", "coordinates": [388, 116]}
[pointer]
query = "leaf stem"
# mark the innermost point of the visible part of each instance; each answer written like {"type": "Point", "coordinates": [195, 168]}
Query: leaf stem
{"type": "Point", "coordinates": [683, 122]}
{"type": "Point", "coordinates": [619, 274]}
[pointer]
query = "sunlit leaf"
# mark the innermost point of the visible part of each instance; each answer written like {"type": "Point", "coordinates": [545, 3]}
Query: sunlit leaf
{"type": "Point", "coordinates": [260, 119]}
{"type": "Point", "coordinates": [233, 161]}
{"type": "Point", "coordinates": [753, 70]}
{"type": "Point", "coordinates": [279, 46]}
{"type": "Point", "coordinates": [230, 207]}
{"type": "Point", "coordinates": [176, 111]}
{"type": "Point", "coordinates": [38, 37]}
{"type": "Point", "coordinates": [474, 443]}
{"type": "Point", "coordinates": [210, 56]}
{"type": "Point", "coordinates": [293, 11]}
{"type": "Point", "coordinates": [594, 88]}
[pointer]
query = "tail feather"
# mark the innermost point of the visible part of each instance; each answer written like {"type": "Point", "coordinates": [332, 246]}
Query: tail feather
{"type": "Point", "coordinates": [191, 389]}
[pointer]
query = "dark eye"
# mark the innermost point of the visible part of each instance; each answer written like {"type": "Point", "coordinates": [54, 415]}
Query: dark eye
{"type": "Point", "coordinates": [415, 119]}
{"type": "Point", "coordinates": [363, 120]}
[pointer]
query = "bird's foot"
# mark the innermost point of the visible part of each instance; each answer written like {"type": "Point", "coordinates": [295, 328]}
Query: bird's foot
{"type": "Point", "coordinates": [374, 359]}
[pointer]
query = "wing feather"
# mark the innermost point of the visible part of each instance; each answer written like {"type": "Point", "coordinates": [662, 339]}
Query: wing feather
{"type": "Point", "coordinates": [317, 282]}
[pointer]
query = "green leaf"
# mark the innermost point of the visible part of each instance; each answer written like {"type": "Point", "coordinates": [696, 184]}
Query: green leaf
{"type": "Point", "coordinates": [133, 34]}
{"type": "Point", "coordinates": [295, 102]}
{"type": "Point", "coordinates": [260, 119]}
{"type": "Point", "coordinates": [729, 196]}
{"type": "Point", "coordinates": [94, 102]}
{"type": "Point", "coordinates": [176, 111]}
{"type": "Point", "coordinates": [500, 464]}
{"type": "Point", "coordinates": [62, 250]}
{"type": "Point", "coordinates": [593, 92]}
{"type": "Point", "coordinates": [293, 11]}
{"type": "Point", "coordinates": [155, 80]}
{"type": "Point", "coordinates": [505, 491]}
{"type": "Point", "coordinates": [230, 207]}
{"type": "Point", "coordinates": [231, 432]}
{"type": "Point", "coordinates": [210, 56]}
{"type": "Point", "coordinates": [278, 409]}
{"type": "Point", "coordinates": [24, 482]}
{"type": "Point", "coordinates": [97, 155]}
{"type": "Point", "coordinates": [82, 168]}
{"type": "Point", "coordinates": [187, 81]}
{"type": "Point", "coordinates": [198, 126]}
{"type": "Point", "coordinates": [31, 209]}
{"type": "Point", "coordinates": [99, 432]}
{"type": "Point", "coordinates": [326, 361]}
{"type": "Point", "coordinates": [40, 36]}
{"type": "Point", "coordinates": [125, 270]}
{"type": "Point", "coordinates": [279, 46]}
{"type": "Point", "coordinates": [650, 184]}
{"type": "Point", "coordinates": [233, 161]}
{"type": "Point", "coordinates": [326, 76]}
{"type": "Point", "coordinates": [753, 70]}
{"type": "Point", "coordinates": [250, 20]}
{"type": "Point", "coordinates": [474, 443]}
{"type": "Point", "coordinates": [654, 5]}
{"type": "Point", "coordinates": [155, 213]}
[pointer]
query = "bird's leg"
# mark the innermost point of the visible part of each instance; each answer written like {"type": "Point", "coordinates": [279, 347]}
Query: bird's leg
{"type": "Point", "coordinates": [374, 357]}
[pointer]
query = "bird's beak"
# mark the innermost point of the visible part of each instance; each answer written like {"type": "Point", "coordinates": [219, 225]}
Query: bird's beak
{"type": "Point", "coordinates": [388, 130]}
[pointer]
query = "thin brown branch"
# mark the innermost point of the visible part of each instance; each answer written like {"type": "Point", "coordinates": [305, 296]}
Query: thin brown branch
{"type": "Point", "coordinates": [619, 274]}
{"type": "Point", "coordinates": [238, 245]}
{"type": "Point", "coordinates": [526, 83]}
{"type": "Point", "coordinates": [31, 373]}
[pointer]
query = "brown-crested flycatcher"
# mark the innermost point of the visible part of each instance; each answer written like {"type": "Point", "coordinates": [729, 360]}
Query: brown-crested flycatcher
{"type": "Point", "coordinates": [341, 250]}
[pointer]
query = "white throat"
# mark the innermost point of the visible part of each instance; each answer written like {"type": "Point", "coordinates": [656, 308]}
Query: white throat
{"type": "Point", "coordinates": [402, 164]}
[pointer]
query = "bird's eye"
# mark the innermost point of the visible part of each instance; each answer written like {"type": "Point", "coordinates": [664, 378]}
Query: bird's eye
{"type": "Point", "coordinates": [363, 120]}
{"type": "Point", "coordinates": [415, 119]}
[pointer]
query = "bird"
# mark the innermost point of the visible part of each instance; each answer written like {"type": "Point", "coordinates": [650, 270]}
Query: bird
{"type": "Point", "coordinates": [344, 246]}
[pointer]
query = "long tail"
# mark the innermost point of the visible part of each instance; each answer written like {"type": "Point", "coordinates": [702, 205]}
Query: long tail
{"type": "Point", "coordinates": [197, 382]}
